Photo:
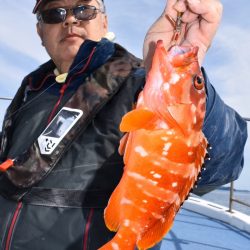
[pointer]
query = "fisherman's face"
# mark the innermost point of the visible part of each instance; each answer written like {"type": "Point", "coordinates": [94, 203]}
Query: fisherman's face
{"type": "Point", "coordinates": [62, 40]}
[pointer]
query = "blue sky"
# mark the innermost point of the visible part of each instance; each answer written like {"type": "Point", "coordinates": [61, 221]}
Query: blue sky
{"type": "Point", "coordinates": [227, 62]}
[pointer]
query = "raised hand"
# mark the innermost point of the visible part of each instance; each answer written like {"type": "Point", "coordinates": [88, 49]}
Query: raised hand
{"type": "Point", "coordinates": [200, 21]}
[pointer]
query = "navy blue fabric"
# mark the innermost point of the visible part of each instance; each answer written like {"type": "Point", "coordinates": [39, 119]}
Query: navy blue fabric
{"type": "Point", "coordinates": [226, 132]}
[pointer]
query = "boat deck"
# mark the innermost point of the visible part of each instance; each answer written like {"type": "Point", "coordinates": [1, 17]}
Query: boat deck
{"type": "Point", "coordinates": [193, 231]}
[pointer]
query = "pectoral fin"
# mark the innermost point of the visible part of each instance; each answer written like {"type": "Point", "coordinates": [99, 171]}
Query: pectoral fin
{"type": "Point", "coordinates": [136, 119]}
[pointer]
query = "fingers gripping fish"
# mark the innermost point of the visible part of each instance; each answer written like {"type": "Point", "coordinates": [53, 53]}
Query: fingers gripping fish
{"type": "Point", "coordinates": [164, 151]}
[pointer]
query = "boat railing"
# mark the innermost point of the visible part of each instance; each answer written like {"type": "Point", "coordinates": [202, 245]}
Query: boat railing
{"type": "Point", "coordinates": [232, 199]}
{"type": "Point", "coordinates": [5, 98]}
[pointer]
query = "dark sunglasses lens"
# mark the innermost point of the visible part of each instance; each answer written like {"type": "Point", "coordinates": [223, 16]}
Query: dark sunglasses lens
{"type": "Point", "coordinates": [53, 16]}
{"type": "Point", "coordinates": [84, 13]}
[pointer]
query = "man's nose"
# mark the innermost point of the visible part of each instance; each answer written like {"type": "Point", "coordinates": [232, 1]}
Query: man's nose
{"type": "Point", "coordinates": [71, 20]}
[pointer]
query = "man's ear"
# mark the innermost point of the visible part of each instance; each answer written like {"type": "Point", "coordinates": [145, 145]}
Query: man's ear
{"type": "Point", "coordinates": [105, 23]}
{"type": "Point", "coordinates": [39, 31]}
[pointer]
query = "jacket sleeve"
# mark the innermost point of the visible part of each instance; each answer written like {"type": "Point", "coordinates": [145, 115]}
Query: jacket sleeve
{"type": "Point", "coordinates": [226, 132]}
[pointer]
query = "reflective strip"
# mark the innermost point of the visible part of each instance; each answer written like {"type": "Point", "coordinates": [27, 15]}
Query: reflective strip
{"type": "Point", "coordinates": [12, 225]}
{"type": "Point", "coordinates": [86, 232]}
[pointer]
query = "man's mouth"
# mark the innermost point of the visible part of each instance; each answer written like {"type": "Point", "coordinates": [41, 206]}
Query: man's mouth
{"type": "Point", "coordinates": [71, 36]}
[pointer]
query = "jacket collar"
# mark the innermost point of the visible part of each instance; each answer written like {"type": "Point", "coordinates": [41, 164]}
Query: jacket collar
{"type": "Point", "coordinates": [44, 76]}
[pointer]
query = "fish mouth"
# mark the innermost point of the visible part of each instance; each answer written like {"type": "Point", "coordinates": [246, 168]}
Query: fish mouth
{"type": "Point", "coordinates": [176, 50]}
{"type": "Point", "coordinates": [183, 55]}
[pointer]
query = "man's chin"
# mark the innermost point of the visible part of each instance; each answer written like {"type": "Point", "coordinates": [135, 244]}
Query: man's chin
{"type": "Point", "coordinates": [71, 50]}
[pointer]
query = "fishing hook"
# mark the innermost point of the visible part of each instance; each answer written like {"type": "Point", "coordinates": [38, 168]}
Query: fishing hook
{"type": "Point", "coordinates": [177, 24]}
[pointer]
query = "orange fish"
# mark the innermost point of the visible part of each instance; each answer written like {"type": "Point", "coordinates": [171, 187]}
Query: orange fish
{"type": "Point", "coordinates": [164, 151]}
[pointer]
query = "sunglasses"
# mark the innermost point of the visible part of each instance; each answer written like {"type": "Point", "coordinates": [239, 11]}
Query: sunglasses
{"type": "Point", "coordinates": [58, 15]}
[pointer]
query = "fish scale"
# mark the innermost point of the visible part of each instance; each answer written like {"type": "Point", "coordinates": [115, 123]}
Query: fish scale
{"type": "Point", "coordinates": [165, 149]}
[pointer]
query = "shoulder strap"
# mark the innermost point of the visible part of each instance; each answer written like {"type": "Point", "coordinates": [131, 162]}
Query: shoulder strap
{"type": "Point", "coordinates": [67, 198]}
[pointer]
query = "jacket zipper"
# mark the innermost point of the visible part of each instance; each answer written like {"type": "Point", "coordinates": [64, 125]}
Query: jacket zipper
{"type": "Point", "coordinates": [65, 86]}
{"type": "Point", "coordinates": [62, 90]}
{"type": "Point", "coordinates": [12, 225]}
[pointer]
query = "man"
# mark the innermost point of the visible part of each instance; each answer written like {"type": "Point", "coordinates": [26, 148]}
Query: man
{"type": "Point", "coordinates": [54, 189]}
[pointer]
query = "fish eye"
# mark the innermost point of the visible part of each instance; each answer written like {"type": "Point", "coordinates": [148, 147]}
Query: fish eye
{"type": "Point", "coordinates": [198, 82]}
